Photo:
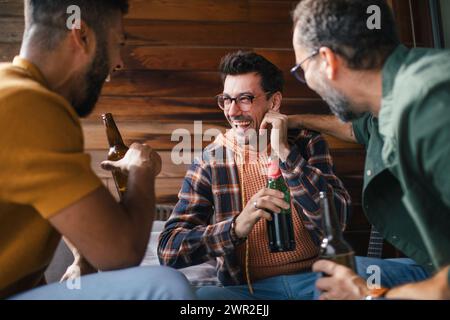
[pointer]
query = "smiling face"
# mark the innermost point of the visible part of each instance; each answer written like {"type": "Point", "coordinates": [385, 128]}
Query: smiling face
{"type": "Point", "coordinates": [243, 121]}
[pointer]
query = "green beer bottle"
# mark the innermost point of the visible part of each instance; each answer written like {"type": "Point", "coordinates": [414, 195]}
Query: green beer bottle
{"type": "Point", "coordinates": [280, 230]}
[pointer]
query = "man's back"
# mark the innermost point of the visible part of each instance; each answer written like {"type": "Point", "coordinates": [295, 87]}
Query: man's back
{"type": "Point", "coordinates": [41, 155]}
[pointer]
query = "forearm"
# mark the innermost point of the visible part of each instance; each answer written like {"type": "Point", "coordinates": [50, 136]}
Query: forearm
{"type": "Point", "coordinates": [139, 199]}
{"type": "Point", "coordinates": [184, 244]}
{"type": "Point", "coordinates": [326, 124]}
{"type": "Point", "coordinates": [436, 288]}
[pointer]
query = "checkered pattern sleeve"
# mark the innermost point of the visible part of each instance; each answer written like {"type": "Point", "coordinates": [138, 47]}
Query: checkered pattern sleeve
{"type": "Point", "coordinates": [189, 238]}
{"type": "Point", "coordinates": [308, 171]}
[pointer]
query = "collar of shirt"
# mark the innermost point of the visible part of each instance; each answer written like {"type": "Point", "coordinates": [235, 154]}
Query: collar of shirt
{"type": "Point", "coordinates": [32, 69]}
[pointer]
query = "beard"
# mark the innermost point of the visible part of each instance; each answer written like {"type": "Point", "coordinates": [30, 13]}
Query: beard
{"type": "Point", "coordinates": [93, 80]}
{"type": "Point", "coordinates": [339, 104]}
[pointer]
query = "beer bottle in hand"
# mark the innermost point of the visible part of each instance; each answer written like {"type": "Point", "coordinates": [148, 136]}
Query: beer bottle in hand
{"type": "Point", "coordinates": [333, 246]}
{"type": "Point", "coordinates": [280, 230]}
{"type": "Point", "coordinates": [117, 150]}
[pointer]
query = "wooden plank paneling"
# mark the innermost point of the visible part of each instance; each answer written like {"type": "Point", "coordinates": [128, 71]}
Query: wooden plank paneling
{"type": "Point", "coordinates": [208, 34]}
{"type": "Point", "coordinates": [11, 8]}
{"type": "Point", "coordinates": [8, 51]}
{"type": "Point", "coordinates": [172, 110]}
{"type": "Point", "coordinates": [157, 83]}
{"type": "Point", "coordinates": [198, 59]}
{"type": "Point", "coordinates": [11, 30]}
{"type": "Point", "coordinates": [212, 10]}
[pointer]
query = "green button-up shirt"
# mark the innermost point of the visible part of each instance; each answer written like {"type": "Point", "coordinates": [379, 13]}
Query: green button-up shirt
{"type": "Point", "coordinates": [406, 193]}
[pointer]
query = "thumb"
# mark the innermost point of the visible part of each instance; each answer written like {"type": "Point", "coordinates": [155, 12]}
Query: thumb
{"type": "Point", "coordinates": [108, 165]}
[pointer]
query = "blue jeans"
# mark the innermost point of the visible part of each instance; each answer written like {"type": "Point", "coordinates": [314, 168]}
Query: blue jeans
{"type": "Point", "coordinates": [287, 287]}
{"type": "Point", "coordinates": [393, 272]}
{"type": "Point", "coordinates": [140, 283]}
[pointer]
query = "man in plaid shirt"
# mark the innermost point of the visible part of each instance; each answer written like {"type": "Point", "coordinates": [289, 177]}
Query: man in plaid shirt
{"type": "Point", "coordinates": [224, 203]}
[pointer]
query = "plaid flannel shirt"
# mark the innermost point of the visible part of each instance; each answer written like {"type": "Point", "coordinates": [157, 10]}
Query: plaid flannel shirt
{"type": "Point", "coordinates": [199, 228]}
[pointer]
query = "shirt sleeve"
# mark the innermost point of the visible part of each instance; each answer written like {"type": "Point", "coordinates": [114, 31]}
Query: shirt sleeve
{"type": "Point", "coordinates": [308, 170]}
{"type": "Point", "coordinates": [362, 128]}
{"type": "Point", "coordinates": [188, 237]}
{"type": "Point", "coordinates": [43, 162]}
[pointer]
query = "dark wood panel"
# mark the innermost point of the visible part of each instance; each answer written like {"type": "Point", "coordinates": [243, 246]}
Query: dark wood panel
{"type": "Point", "coordinates": [198, 59]}
{"type": "Point", "coordinates": [199, 10]}
{"type": "Point", "coordinates": [11, 30]}
{"type": "Point", "coordinates": [209, 34]}
{"type": "Point", "coordinates": [169, 110]}
{"type": "Point", "coordinates": [11, 8]}
{"type": "Point", "coordinates": [8, 51]}
{"type": "Point", "coordinates": [212, 10]}
{"type": "Point", "coordinates": [271, 11]}
{"type": "Point", "coordinates": [349, 161]}
{"type": "Point", "coordinates": [184, 84]}
{"type": "Point", "coordinates": [420, 18]}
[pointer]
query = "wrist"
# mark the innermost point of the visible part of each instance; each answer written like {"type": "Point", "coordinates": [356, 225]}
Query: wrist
{"type": "Point", "coordinates": [284, 153]}
{"type": "Point", "coordinates": [372, 294]}
{"type": "Point", "coordinates": [235, 237]}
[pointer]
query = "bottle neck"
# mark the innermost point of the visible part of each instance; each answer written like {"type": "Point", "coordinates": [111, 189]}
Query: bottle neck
{"type": "Point", "coordinates": [112, 132]}
{"type": "Point", "coordinates": [331, 226]}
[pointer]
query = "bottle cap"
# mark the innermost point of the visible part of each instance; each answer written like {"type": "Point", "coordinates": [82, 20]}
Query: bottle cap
{"type": "Point", "coordinates": [274, 169]}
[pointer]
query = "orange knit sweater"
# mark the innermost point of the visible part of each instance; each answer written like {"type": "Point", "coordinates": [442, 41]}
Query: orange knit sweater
{"type": "Point", "coordinates": [261, 262]}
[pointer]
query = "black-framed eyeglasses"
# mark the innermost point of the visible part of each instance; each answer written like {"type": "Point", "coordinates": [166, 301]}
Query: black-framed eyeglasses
{"type": "Point", "coordinates": [244, 101]}
{"type": "Point", "coordinates": [298, 72]}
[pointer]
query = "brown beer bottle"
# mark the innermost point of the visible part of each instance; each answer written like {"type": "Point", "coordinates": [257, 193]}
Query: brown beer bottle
{"type": "Point", "coordinates": [333, 246]}
{"type": "Point", "coordinates": [280, 230]}
{"type": "Point", "coordinates": [117, 150]}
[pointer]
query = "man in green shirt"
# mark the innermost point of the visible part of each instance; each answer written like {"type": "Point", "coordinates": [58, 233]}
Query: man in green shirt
{"type": "Point", "coordinates": [398, 101]}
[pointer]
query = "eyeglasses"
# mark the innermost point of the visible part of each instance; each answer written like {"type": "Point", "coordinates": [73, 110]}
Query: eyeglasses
{"type": "Point", "coordinates": [298, 72]}
{"type": "Point", "coordinates": [244, 101]}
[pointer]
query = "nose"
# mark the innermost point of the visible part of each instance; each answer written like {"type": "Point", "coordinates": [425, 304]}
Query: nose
{"type": "Point", "coordinates": [234, 109]}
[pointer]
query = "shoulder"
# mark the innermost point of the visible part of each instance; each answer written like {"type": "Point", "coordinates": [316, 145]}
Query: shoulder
{"type": "Point", "coordinates": [34, 114]}
{"type": "Point", "coordinates": [423, 71]}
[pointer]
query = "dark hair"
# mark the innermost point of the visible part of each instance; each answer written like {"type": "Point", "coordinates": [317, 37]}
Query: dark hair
{"type": "Point", "coordinates": [341, 25]}
{"type": "Point", "coordinates": [49, 17]}
{"type": "Point", "coordinates": [242, 62]}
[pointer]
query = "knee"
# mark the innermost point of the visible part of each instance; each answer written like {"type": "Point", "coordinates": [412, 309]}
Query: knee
{"type": "Point", "coordinates": [170, 284]}
{"type": "Point", "coordinates": [161, 283]}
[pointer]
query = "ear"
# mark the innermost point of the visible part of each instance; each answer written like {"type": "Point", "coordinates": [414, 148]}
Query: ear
{"type": "Point", "coordinates": [331, 62]}
{"type": "Point", "coordinates": [276, 101]}
{"type": "Point", "coordinates": [82, 38]}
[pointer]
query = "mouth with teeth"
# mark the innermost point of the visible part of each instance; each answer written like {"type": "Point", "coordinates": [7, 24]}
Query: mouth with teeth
{"type": "Point", "coordinates": [242, 125]}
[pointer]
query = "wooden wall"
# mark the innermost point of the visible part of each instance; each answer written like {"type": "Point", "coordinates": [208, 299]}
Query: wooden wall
{"type": "Point", "coordinates": [171, 60]}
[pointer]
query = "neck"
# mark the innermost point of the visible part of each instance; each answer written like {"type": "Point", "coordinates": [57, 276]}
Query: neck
{"type": "Point", "coordinates": [58, 80]}
{"type": "Point", "coordinates": [368, 90]}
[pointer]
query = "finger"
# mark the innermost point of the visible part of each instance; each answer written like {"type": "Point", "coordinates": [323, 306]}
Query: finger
{"type": "Point", "coordinates": [325, 266]}
{"type": "Point", "coordinates": [108, 165]}
{"type": "Point", "coordinates": [280, 203]}
{"type": "Point", "coordinates": [271, 192]}
{"type": "Point", "coordinates": [262, 214]}
{"type": "Point", "coordinates": [263, 126]}
{"type": "Point", "coordinates": [268, 205]}
{"type": "Point", "coordinates": [325, 283]}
